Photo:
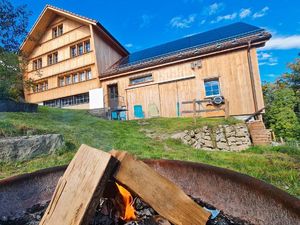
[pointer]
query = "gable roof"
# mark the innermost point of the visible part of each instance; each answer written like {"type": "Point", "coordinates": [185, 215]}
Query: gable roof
{"type": "Point", "coordinates": [215, 39]}
{"type": "Point", "coordinates": [45, 18]}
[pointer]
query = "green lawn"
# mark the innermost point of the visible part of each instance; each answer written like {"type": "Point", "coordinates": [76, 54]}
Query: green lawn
{"type": "Point", "coordinates": [147, 139]}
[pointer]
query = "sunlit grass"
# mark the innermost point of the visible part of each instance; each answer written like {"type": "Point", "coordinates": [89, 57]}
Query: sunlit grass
{"type": "Point", "coordinates": [276, 165]}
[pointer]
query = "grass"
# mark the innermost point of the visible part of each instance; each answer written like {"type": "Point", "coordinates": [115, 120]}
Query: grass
{"type": "Point", "coordinates": [276, 165]}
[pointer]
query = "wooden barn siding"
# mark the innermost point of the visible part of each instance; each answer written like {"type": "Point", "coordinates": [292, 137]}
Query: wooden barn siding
{"type": "Point", "coordinates": [231, 68]}
{"type": "Point", "coordinates": [105, 54]}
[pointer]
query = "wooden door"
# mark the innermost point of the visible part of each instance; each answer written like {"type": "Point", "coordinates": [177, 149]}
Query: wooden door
{"type": "Point", "coordinates": [168, 99]}
{"type": "Point", "coordinates": [113, 96]}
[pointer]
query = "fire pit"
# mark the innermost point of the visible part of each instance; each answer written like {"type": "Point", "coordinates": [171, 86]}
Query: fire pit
{"type": "Point", "coordinates": [235, 194]}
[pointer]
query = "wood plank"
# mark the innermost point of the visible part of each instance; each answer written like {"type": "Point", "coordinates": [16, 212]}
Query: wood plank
{"type": "Point", "coordinates": [160, 193]}
{"type": "Point", "coordinates": [79, 189]}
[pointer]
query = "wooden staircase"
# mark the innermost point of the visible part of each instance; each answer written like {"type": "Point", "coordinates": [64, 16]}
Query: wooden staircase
{"type": "Point", "coordinates": [258, 132]}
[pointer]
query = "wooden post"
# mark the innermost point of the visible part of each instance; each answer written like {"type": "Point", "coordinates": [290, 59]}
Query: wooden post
{"type": "Point", "coordinates": [194, 111]}
{"type": "Point", "coordinates": [160, 193]}
{"type": "Point", "coordinates": [78, 191]}
{"type": "Point", "coordinates": [226, 109]}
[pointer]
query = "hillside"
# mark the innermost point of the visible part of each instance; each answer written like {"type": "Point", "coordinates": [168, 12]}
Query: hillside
{"type": "Point", "coordinates": [146, 139]}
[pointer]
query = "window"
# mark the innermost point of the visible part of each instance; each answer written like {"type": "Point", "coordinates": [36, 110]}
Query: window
{"type": "Point", "coordinates": [55, 57]}
{"type": "Point", "coordinates": [37, 64]}
{"type": "Point", "coordinates": [41, 86]}
{"type": "Point", "coordinates": [68, 80]}
{"type": "Point", "coordinates": [87, 46]}
{"type": "Point", "coordinates": [34, 65]}
{"type": "Point", "coordinates": [57, 31]}
{"type": "Point", "coordinates": [68, 101]}
{"type": "Point", "coordinates": [88, 74]}
{"type": "Point", "coordinates": [212, 87]}
{"type": "Point", "coordinates": [60, 30]}
{"type": "Point", "coordinates": [75, 78]}
{"type": "Point", "coordinates": [80, 49]}
{"type": "Point", "coordinates": [52, 58]}
{"type": "Point", "coordinates": [141, 79]}
{"type": "Point", "coordinates": [61, 81]}
{"type": "Point", "coordinates": [82, 76]}
{"type": "Point", "coordinates": [54, 32]}
{"type": "Point", "coordinates": [73, 51]}
{"type": "Point", "coordinates": [49, 59]}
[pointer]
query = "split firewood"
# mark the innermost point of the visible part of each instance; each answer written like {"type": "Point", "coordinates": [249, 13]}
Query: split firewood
{"type": "Point", "coordinates": [79, 189]}
{"type": "Point", "coordinates": [161, 194]}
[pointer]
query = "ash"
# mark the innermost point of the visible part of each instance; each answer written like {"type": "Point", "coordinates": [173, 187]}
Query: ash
{"type": "Point", "coordinates": [107, 214]}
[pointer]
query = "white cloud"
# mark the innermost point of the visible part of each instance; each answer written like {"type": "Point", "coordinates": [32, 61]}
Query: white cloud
{"type": "Point", "coordinates": [146, 19]}
{"type": "Point", "coordinates": [265, 58]}
{"type": "Point", "coordinates": [214, 8]}
{"type": "Point", "coordinates": [129, 45]}
{"type": "Point", "coordinates": [225, 17]}
{"type": "Point", "coordinates": [271, 75]}
{"type": "Point", "coordinates": [261, 13]}
{"type": "Point", "coordinates": [202, 22]}
{"type": "Point", "coordinates": [283, 42]}
{"type": "Point", "coordinates": [180, 22]}
{"type": "Point", "coordinates": [245, 13]}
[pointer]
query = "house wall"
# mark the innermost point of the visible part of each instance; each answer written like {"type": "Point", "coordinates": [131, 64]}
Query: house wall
{"type": "Point", "coordinates": [106, 54]}
{"type": "Point", "coordinates": [231, 68]}
{"type": "Point", "coordinates": [73, 32]}
{"type": "Point", "coordinates": [101, 56]}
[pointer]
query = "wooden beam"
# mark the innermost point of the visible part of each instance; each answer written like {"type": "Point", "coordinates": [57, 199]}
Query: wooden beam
{"type": "Point", "coordinates": [78, 191]}
{"type": "Point", "coordinates": [161, 194]}
{"type": "Point", "coordinates": [226, 110]}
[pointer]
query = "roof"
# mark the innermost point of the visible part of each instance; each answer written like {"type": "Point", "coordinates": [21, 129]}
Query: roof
{"type": "Point", "coordinates": [213, 37]}
{"type": "Point", "coordinates": [45, 18]}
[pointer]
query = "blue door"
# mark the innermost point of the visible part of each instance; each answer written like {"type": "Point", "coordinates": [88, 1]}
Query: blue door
{"type": "Point", "coordinates": [138, 112]}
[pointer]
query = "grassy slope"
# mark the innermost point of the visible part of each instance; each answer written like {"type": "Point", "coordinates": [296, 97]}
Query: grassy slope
{"type": "Point", "coordinates": [277, 165]}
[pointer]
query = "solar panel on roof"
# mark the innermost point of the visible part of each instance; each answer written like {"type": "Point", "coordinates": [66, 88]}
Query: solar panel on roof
{"type": "Point", "coordinates": [232, 31]}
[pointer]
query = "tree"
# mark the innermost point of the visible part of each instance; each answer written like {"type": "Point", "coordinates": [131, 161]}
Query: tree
{"type": "Point", "coordinates": [280, 115]}
{"type": "Point", "coordinates": [13, 24]}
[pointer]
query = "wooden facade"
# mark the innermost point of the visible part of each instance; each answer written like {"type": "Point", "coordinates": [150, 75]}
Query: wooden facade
{"type": "Point", "coordinates": [76, 30]}
{"type": "Point", "coordinates": [171, 83]}
{"type": "Point", "coordinates": [174, 84]}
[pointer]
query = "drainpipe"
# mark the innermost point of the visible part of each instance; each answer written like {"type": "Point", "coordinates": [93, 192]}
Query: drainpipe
{"type": "Point", "coordinates": [252, 77]}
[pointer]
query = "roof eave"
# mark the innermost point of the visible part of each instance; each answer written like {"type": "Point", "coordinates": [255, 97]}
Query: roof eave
{"type": "Point", "coordinates": [260, 38]}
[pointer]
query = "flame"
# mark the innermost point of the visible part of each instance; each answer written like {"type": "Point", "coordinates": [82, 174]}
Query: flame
{"type": "Point", "coordinates": [128, 203]}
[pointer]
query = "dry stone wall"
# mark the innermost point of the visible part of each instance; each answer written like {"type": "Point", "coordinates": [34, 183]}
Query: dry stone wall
{"type": "Point", "coordinates": [224, 137]}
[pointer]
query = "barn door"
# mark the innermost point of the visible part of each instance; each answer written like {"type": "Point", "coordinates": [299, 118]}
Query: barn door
{"type": "Point", "coordinates": [172, 94]}
{"type": "Point", "coordinates": [168, 99]}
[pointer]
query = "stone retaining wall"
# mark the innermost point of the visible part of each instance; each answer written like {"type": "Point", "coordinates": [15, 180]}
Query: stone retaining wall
{"type": "Point", "coordinates": [223, 137]}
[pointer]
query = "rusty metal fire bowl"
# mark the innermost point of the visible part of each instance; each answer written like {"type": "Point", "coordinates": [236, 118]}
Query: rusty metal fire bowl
{"type": "Point", "coordinates": [236, 194]}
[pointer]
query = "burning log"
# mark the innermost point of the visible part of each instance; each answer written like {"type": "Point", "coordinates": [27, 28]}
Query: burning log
{"type": "Point", "coordinates": [92, 175]}
{"type": "Point", "coordinates": [79, 189]}
{"type": "Point", "coordinates": [160, 193]}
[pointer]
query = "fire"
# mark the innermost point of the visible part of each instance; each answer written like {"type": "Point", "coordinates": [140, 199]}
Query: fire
{"type": "Point", "coordinates": [128, 204]}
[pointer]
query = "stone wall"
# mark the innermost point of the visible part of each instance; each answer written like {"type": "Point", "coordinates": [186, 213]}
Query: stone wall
{"type": "Point", "coordinates": [223, 137]}
{"type": "Point", "coordinates": [27, 147]}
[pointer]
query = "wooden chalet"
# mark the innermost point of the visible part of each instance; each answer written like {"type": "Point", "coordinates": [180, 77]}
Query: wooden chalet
{"type": "Point", "coordinates": [76, 63]}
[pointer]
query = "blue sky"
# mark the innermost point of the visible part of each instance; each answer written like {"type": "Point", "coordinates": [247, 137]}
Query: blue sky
{"type": "Point", "coordinates": [141, 24]}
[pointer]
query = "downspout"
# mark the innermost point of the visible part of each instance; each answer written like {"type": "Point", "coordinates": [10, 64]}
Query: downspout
{"type": "Point", "coordinates": [252, 77]}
